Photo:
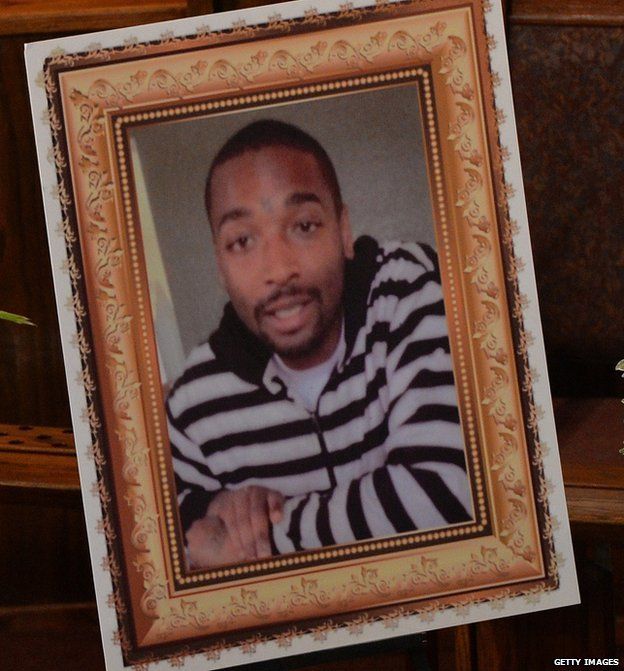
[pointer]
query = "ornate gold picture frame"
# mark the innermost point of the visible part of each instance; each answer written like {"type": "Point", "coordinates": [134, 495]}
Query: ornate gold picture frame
{"type": "Point", "coordinates": [88, 94]}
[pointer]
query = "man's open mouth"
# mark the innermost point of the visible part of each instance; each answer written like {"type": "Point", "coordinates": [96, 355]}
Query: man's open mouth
{"type": "Point", "coordinates": [288, 314]}
{"type": "Point", "coordinates": [282, 308]}
{"type": "Point", "coordinates": [285, 313]}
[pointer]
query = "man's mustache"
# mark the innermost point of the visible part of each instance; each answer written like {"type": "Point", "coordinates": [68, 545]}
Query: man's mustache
{"type": "Point", "coordinates": [286, 292]}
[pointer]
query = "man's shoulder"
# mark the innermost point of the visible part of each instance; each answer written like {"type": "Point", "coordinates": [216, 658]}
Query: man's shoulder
{"type": "Point", "coordinates": [205, 375]}
{"type": "Point", "coordinates": [200, 363]}
{"type": "Point", "coordinates": [406, 259]}
{"type": "Point", "coordinates": [384, 274]}
{"type": "Point", "coordinates": [404, 256]}
{"type": "Point", "coordinates": [200, 354]}
{"type": "Point", "coordinates": [406, 284]}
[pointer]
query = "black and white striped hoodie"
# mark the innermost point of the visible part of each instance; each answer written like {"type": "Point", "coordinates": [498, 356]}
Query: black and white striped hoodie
{"type": "Point", "coordinates": [382, 454]}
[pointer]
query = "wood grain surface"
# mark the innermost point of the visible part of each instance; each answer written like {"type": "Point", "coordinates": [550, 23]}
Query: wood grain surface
{"type": "Point", "coordinates": [31, 17]}
{"type": "Point", "coordinates": [568, 85]}
{"type": "Point", "coordinates": [568, 12]}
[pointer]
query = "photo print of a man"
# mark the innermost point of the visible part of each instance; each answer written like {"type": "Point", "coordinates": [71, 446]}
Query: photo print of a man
{"type": "Point", "coordinates": [322, 410]}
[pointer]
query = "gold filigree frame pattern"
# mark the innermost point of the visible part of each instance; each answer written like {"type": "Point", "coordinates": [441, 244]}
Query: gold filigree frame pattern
{"type": "Point", "coordinates": [94, 99]}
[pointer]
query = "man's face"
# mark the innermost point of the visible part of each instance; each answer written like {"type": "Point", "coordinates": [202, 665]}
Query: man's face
{"type": "Point", "coordinates": [281, 249]}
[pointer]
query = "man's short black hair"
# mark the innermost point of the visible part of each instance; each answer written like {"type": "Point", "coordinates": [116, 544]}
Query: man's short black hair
{"type": "Point", "coordinates": [272, 133]}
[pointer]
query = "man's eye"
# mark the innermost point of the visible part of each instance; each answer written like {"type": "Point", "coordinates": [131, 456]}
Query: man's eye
{"type": "Point", "coordinates": [307, 226]}
{"type": "Point", "coordinates": [240, 244]}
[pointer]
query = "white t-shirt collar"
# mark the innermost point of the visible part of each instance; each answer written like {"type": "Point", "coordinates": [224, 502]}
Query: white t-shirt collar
{"type": "Point", "coordinates": [305, 386]}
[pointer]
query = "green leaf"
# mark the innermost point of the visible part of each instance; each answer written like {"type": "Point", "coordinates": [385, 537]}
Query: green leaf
{"type": "Point", "coordinates": [620, 365]}
{"type": "Point", "coordinates": [17, 319]}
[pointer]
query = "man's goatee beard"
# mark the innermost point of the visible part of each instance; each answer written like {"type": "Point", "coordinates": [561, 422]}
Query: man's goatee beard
{"type": "Point", "coordinates": [299, 351]}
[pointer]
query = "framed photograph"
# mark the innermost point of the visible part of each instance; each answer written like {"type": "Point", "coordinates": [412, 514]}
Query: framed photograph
{"type": "Point", "coordinates": [300, 326]}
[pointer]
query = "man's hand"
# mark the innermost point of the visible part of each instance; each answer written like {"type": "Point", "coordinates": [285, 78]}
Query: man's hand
{"type": "Point", "coordinates": [246, 514]}
{"type": "Point", "coordinates": [235, 527]}
{"type": "Point", "coordinates": [208, 544]}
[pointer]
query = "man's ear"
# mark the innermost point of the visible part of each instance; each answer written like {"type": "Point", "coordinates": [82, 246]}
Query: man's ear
{"type": "Point", "coordinates": [346, 233]}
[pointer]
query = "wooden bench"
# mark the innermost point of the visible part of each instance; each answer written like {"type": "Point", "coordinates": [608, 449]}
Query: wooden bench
{"type": "Point", "coordinates": [591, 432]}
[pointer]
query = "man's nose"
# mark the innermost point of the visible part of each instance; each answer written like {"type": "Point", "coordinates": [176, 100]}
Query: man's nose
{"type": "Point", "coordinates": [281, 263]}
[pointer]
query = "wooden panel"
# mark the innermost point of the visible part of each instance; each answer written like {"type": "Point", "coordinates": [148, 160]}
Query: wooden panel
{"type": "Point", "coordinates": [21, 467]}
{"type": "Point", "coordinates": [38, 16]}
{"type": "Point", "coordinates": [36, 438]}
{"type": "Point", "coordinates": [535, 640]}
{"type": "Point", "coordinates": [229, 5]}
{"type": "Point", "coordinates": [33, 380]}
{"type": "Point", "coordinates": [197, 7]}
{"type": "Point", "coordinates": [37, 457]}
{"type": "Point", "coordinates": [553, 12]}
{"type": "Point", "coordinates": [595, 506]}
{"type": "Point", "coordinates": [54, 637]}
{"type": "Point", "coordinates": [453, 648]}
{"type": "Point", "coordinates": [590, 433]}
{"type": "Point", "coordinates": [43, 549]}
{"type": "Point", "coordinates": [569, 99]}
{"type": "Point", "coordinates": [61, 638]}
{"type": "Point", "coordinates": [567, 12]}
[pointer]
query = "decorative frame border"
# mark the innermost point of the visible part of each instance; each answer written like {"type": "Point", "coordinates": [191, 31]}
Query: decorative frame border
{"type": "Point", "coordinates": [93, 97]}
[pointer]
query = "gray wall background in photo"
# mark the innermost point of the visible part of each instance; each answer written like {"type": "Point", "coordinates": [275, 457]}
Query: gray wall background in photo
{"type": "Point", "coordinates": [375, 140]}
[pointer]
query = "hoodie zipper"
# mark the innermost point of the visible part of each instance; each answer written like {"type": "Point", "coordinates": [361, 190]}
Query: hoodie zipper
{"type": "Point", "coordinates": [324, 450]}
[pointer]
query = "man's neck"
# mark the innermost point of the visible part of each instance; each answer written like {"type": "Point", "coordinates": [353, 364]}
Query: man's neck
{"type": "Point", "coordinates": [305, 385]}
{"type": "Point", "coordinates": [323, 352]}
{"type": "Point", "coordinates": [333, 356]}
